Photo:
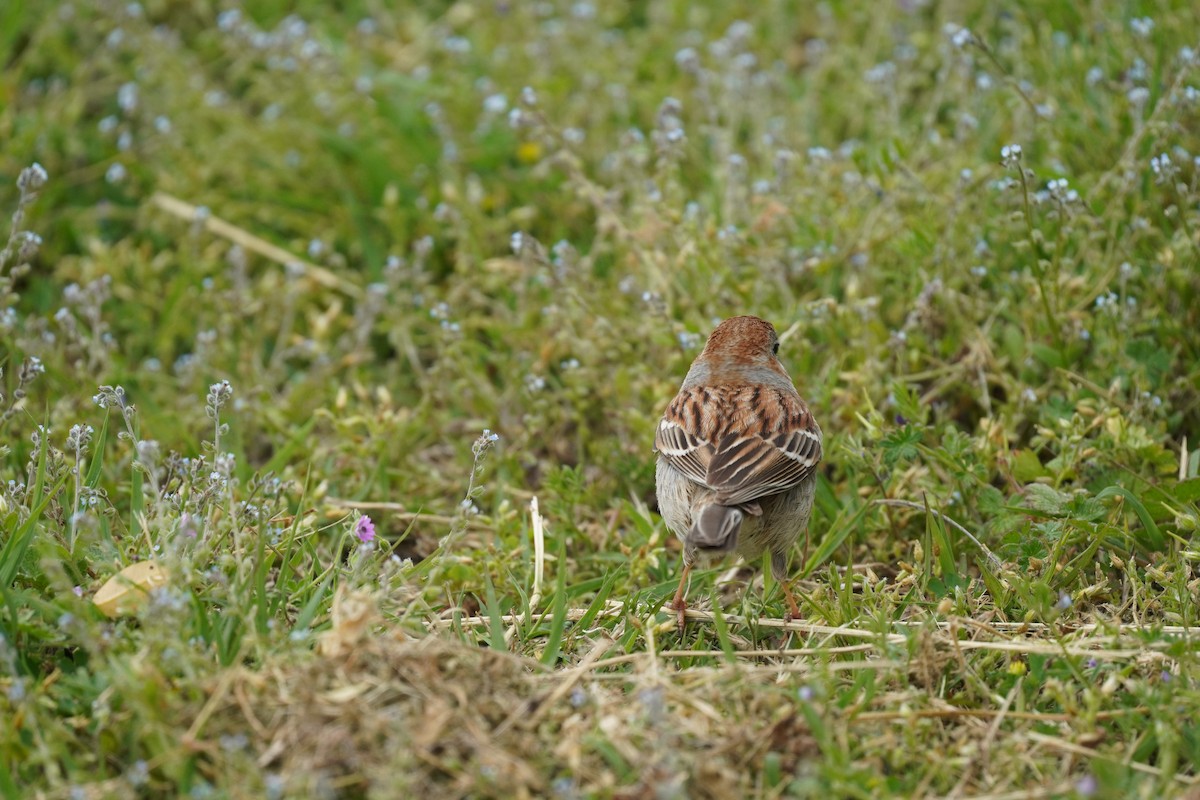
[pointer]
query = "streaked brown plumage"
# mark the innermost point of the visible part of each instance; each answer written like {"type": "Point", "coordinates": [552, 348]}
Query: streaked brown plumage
{"type": "Point", "coordinates": [737, 454]}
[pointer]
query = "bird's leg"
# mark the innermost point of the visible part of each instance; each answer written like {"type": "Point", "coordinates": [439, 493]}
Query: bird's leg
{"type": "Point", "coordinates": [679, 604]}
{"type": "Point", "coordinates": [779, 568]}
{"type": "Point", "coordinates": [793, 609]}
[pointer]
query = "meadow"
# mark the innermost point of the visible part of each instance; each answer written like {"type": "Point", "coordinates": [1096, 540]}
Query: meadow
{"type": "Point", "coordinates": [353, 322]}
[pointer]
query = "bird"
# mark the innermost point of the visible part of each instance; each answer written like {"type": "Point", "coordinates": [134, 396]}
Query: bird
{"type": "Point", "coordinates": [737, 451]}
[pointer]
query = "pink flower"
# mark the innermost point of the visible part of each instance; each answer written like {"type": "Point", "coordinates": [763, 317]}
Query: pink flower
{"type": "Point", "coordinates": [364, 529]}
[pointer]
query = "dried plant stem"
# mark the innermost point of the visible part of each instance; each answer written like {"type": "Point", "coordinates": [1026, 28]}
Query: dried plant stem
{"type": "Point", "coordinates": [1090, 753]}
{"type": "Point", "coordinates": [227, 230]}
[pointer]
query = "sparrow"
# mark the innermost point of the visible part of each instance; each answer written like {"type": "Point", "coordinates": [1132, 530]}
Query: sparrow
{"type": "Point", "coordinates": [737, 455]}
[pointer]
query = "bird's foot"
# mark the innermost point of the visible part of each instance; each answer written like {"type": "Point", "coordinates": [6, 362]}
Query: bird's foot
{"type": "Point", "coordinates": [793, 611]}
{"type": "Point", "coordinates": [680, 606]}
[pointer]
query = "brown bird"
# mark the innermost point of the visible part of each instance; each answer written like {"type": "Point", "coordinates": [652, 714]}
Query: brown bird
{"type": "Point", "coordinates": [737, 455]}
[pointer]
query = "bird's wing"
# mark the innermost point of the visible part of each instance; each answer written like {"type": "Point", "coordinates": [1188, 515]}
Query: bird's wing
{"type": "Point", "coordinates": [686, 450]}
{"type": "Point", "coordinates": [749, 466]}
{"type": "Point", "coordinates": [743, 443]}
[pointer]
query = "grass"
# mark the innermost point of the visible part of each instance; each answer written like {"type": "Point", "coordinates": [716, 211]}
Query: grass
{"type": "Point", "coordinates": [442, 267]}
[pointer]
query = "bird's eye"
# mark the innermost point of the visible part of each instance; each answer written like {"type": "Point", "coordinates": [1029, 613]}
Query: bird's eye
{"type": "Point", "coordinates": [775, 348]}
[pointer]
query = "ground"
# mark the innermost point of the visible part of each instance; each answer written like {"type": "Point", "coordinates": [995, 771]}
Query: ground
{"type": "Point", "coordinates": [346, 329]}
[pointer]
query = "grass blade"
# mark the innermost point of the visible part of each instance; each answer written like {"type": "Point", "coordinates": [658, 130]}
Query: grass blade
{"type": "Point", "coordinates": [598, 602]}
{"type": "Point", "coordinates": [559, 620]}
{"type": "Point", "coordinates": [1156, 541]}
{"type": "Point", "coordinates": [831, 542]}
{"type": "Point", "coordinates": [495, 623]}
{"type": "Point", "coordinates": [18, 543]}
{"type": "Point", "coordinates": [93, 473]}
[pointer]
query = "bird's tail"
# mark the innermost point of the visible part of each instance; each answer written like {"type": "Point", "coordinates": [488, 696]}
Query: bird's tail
{"type": "Point", "coordinates": [716, 528]}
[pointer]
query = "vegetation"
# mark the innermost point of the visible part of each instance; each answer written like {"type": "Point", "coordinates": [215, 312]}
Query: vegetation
{"type": "Point", "coordinates": [355, 324]}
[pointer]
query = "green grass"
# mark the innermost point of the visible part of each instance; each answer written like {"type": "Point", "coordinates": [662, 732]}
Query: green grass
{"type": "Point", "coordinates": [999, 593]}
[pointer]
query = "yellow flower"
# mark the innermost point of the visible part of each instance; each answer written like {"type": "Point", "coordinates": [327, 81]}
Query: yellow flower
{"type": "Point", "coordinates": [529, 152]}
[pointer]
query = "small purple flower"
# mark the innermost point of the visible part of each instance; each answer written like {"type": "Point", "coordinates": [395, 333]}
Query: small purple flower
{"type": "Point", "coordinates": [1165, 676]}
{"type": "Point", "coordinates": [1091, 663]}
{"type": "Point", "coordinates": [1087, 785]}
{"type": "Point", "coordinates": [364, 529]}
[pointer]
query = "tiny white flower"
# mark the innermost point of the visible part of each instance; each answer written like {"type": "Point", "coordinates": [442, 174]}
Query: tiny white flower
{"type": "Point", "coordinates": [1142, 26]}
{"type": "Point", "coordinates": [959, 36]}
{"type": "Point", "coordinates": [127, 97]}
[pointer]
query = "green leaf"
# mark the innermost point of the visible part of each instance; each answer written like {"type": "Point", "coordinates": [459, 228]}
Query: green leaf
{"type": "Point", "coordinates": [990, 501]}
{"type": "Point", "coordinates": [1046, 499]}
{"type": "Point", "coordinates": [309, 612]}
{"type": "Point", "coordinates": [1155, 541]}
{"type": "Point", "coordinates": [1000, 594]}
{"type": "Point", "coordinates": [833, 539]}
{"type": "Point", "coordinates": [1048, 356]}
{"type": "Point", "coordinates": [908, 402]}
{"type": "Point", "coordinates": [1026, 467]}
{"type": "Point", "coordinates": [39, 478]}
{"type": "Point", "coordinates": [93, 473]}
{"type": "Point", "coordinates": [22, 537]}
{"type": "Point", "coordinates": [8, 786]}
{"type": "Point", "coordinates": [495, 623]}
{"type": "Point", "coordinates": [722, 628]}
{"type": "Point", "coordinates": [1187, 491]}
{"type": "Point", "coordinates": [598, 602]}
{"type": "Point", "coordinates": [559, 620]}
{"type": "Point", "coordinates": [136, 499]}
{"type": "Point", "coordinates": [1085, 508]}
{"type": "Point", "coordinates": [900, 445]}
{"type": "Point", "coordinates": [947, 562]}
{"type": "Point", "coordinates": [280, 459]}
{"type": "Point", "coordinates": [1152, 356]}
